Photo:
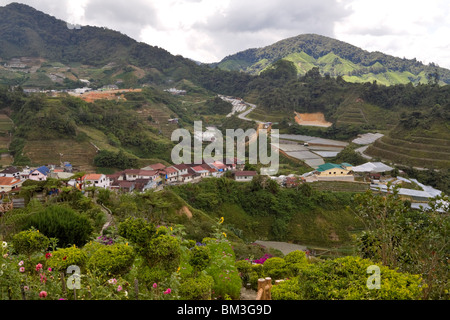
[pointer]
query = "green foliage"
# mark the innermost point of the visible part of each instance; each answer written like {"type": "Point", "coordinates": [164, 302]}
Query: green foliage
{"type": "Point", "coordinates": [108, 159]}
{"type": "Point", "coordinates": [346, 279]}
{"type": "Point", "coordinates": [116, 260]}
{"type": "Point", "coordinates": [275, 268]}
{"type": "Point", "coordinates": [63, 223]}
{"type": "Point", "coordinates": [223, 269]}
{"type": "Point", "coordinates": [29, 242]}
{"type": "Point", "coordinates": [64, 258]}
{"type": "Point", "coordinates": [198, 288]}
{"type": "Point", "coordinates": [200, 258]}
{"type": "Point", "coordinates": [412, 241]}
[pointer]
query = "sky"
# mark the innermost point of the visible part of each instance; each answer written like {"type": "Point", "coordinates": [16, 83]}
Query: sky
{"type": "Point", "coordinates": [209, 30]}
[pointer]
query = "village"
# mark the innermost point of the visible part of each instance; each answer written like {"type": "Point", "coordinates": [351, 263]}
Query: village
{"type": "Point", "coordinates": [373, 175]}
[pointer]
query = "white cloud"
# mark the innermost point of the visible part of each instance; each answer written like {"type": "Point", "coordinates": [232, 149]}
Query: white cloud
{"type": "Point", "coordinates": [208, 30]}
{"type": "Point", "coordinates": [403, 28]}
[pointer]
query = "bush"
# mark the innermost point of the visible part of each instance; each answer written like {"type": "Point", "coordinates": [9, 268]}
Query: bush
{"type": "Point", "coordinates": [29, 242]}
{"type": "Point", "coordinates": [196, 288]}
{"type": "Point", "coordinates": [200, 258]}
{"type": "Point", "coordinates": [63, 258]}
{"type": "Point", "coordinates": [223, 269]}
{"type": "Point", "coordinates": [275, 268]}
{"type": "Point", "coordinates": [69, 227]}
{"type": "Point", "coordinates": [116, 259]}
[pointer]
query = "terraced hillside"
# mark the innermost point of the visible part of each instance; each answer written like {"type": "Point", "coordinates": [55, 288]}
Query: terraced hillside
{"type": "Point", "coordinates": [79, 154]}
{"type": "Point", "coordinates": [417, 148]}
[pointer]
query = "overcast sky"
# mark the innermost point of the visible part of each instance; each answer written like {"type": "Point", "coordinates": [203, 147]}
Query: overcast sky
{"type": "Point", "coordinates": [209, 30]}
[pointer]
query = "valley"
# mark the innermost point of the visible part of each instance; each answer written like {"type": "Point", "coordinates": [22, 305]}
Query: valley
{"type": "Point", "coordinates": [88, 177]}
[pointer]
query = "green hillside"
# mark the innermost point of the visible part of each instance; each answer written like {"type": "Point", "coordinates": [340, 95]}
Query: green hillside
{"type": "Point", "coordinates": [335, 58]}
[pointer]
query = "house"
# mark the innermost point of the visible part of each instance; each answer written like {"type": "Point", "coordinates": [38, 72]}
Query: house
{"type": "Point", "coordinates": [152, 175]}
{"type": "Point", "coordinates": [131, 174]}
{"type": "Point", "coordinates": [10, 172]}
{"type": "Point", "coordinates": [220, 166]}
{"type": "Point", "coordinates": [182, 169]}
{"type": "Point", "coordinates": [200, 171]}
{"type": "Point", "coordinates": [244, 176]}
{"type": "Point", "coordinates": [331, 171]}
{"type": "Point", "coordinates": [39, 174]}
{"type": "Point", "coordinates": [8, 184]}
{"type": "Point", "coordinates": [171, 174]}
{"type": "Point", "coordinates": [156, 166]}
{"type": "Point", "coordinates": [123, 186]}
{"type": "Point", "coordinates": [95, 180]}
{"type": "Point", "coordinates": [143, 185]}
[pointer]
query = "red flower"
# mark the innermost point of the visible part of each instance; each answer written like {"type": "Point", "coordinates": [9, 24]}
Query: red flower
{"type": "Point", "coordinates": [65, 258]}
{"type": "Point", "coordinates": [48, 255]}
{"type": "Point", "coordinates": [43, 294]}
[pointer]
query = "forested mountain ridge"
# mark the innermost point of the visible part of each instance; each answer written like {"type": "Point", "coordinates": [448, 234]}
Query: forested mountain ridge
{"type": "Point", "coordinates": [335, 58]}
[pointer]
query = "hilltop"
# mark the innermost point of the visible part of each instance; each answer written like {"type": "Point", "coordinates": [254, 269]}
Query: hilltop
{"type": "Point", "coordinates": [335, 58]}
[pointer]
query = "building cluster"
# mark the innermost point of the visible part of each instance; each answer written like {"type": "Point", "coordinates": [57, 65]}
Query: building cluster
{"type": "Point", "coordinates": [151, 177]}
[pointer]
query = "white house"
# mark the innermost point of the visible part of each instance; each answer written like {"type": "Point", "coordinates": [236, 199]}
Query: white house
{"type": "Point", "coordinates": [39, 174]}
{"type": "Point", "coordinates": [10, 172]}
{"type": "Point", "coordinates": [95, 180]}
{"type": "Point", "coordinates": [182, 170]}
{"type": "Point", "coordinates": [8, 184]}
{"type": "Point", "coordinates": [244, 176]}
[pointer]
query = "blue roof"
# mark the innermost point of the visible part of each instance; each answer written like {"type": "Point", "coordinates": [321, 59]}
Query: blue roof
{"type": "Point", "coordinates": [44, 170]}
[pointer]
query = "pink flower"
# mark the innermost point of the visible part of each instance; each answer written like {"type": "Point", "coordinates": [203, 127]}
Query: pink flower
{"type": "Point", "coordinates": [22, 269]}
{"type": "Point", "coordinates": [168, 291]}
{"type": "Point", "coordinates": [43, 294]}
{"type": "Point", "coordinates": [26, 288]}
{"type": "Point", "coordinates": [155, 286]}
{"type": "Point", "coordinates": [119, 288]}
{"type": "Point", "coordinates": [38, 267]}
{"type": "Point", "coordinates": [21, 263]}
{"type": "Point", "coordinates": [50, 269]}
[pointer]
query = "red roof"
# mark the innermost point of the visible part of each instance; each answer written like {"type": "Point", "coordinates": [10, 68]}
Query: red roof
{"type": "Point", "coordinates": [148, 173]}
{"type": "Point", "coordinates": [199, 169]}
{"type": "Point", "coordinates": [92, 177]}
{"type": "Point", "coordinates": [170, 170]}
{"type": "Point", "coordinates": [8, 181]}
{"type": "Point", "coordinates": [157, 166]}
{"type": "Point", "coordinates": [245, 173]}
{"type": "Point", "coordinates": [181, 166]}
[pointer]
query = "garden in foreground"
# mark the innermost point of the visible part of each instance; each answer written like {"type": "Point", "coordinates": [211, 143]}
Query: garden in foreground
{"type": "Point", "coordinates": [55, 251]}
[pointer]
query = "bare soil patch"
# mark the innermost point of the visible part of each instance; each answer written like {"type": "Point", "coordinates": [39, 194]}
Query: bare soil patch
{"type": "Point", "coordinates": [312, 119]}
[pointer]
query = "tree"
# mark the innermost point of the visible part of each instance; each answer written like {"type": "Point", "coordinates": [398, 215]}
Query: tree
{"type": "Point", "coordinates": [412, 241]}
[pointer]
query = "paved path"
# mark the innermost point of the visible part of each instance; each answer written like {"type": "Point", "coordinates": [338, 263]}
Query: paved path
{"type": "Point", "coordinates": [284, 247]}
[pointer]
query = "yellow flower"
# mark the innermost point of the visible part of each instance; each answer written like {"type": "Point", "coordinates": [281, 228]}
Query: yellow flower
{"type": "Point", "coordinates": [179, 268]}
{"type": "Point", "coordinates": [221, 220]}
{"type": "Point", "coordinates": [225, 235]}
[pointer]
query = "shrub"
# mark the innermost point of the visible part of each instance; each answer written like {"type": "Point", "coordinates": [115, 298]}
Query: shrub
{"type": "Point", "coordinates": [200, 258]}
{"type": "Point", "coordinates": [275, 268]}
{"type": "Point", "coordinates": [198, 288]}
{"type": "Point", "coordinates": [69, 227]}
{"type": "Point", "coordinates": [29, 242]}
{"type": "Point", "coordinates": [63, 258]}
{"type": "Point", "coordinates": [116, 259]}
{"type": "Point", "coordinates": [223, 269]}
{"type": "Point", "coordinates": [286, 290]}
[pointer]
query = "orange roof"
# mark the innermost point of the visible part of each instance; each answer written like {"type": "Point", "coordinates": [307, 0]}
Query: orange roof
{"type": "Point", "coordinates": [91, 177]}
{"type": "Point", "coordinates": [8, 181]}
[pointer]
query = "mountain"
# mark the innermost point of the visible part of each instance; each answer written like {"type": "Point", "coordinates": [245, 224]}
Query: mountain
{"type": "Point", "coordinates": [38, 50]}
{"type": "Point", "coordinates": [335, 58]}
